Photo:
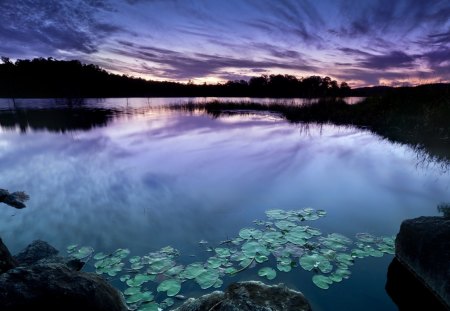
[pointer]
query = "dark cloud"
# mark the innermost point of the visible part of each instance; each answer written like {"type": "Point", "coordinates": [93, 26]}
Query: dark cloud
{"type": "Point", "coordinates": [183, 66]}
{"type": "Point", "coordinates": [394, 59]}
{"type": "Point", "coordinates": [44, 27]}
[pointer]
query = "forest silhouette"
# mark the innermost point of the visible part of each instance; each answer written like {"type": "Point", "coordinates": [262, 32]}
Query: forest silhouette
{"type": "Point", "coordinates": [51, 78]}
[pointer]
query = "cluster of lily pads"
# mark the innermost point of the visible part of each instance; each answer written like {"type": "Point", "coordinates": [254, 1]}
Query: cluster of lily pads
{"type": "Point", "coordinates": [283, 237]}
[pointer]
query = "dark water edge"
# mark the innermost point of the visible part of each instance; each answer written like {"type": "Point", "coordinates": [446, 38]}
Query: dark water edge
{"type": "Point", "coordinates": [417, 117]}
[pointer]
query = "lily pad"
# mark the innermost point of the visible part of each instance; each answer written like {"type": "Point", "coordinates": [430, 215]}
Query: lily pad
{"type": "Point", "coordinates": [277, 214]}
{"type": "Point", "coordinates": [366, 237]}
{"type": "Point", "coordinates": [160, 265]}
{"type": "Point", "coordinates": [192, 271]}
{"type": "Point", "coordinates": [138, 280]}
{"type": "Point", "coordinates": [132, 291]}
{"type": "Point", "coordinates": [297, 236]}
{"type": "Point", "coordinates": [339, 275]}
{"type": "Point", "coordinates": [145, 296]}
{"type": "Point", "coordinates": [151, 306]}
{"type": "Point", "coordinates": [310, 262]}
{"type": "Point", "coordinates": [100, 256]}
{"type": "Point", "coordinates": [273, 238]}
{"type": "Point", "coordinates": [250, 233]}
{"type": "Point", "coordinates": [207, 278]}
{"type": "Point", "coordinates": [268, 272]}
{"type": "Point", "coordinates": [72, 248]}
{"type": "Point", "coordinates": [172, 287]}
{"type": "Point", "coordinates": [222, 252]}
{"type": "Point", "coordinates": [83, 252]}
{"type": "Point", "coordinates": [322, 281]}
{"type": "Point", "coordinates": [253, 248]}
{"type": "Point", "coordinates": [284, 225]}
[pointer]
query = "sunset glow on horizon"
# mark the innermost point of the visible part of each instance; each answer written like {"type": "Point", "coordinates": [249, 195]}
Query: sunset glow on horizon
{"type": "Point", "coordinates": [365, 43]}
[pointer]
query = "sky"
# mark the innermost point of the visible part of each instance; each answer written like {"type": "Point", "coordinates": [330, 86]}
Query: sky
{"type": "Point", "coordinates": [363, 42]}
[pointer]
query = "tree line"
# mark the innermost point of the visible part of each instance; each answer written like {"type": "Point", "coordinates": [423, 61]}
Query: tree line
{"type": "Point", "coordinates": [48, 78]}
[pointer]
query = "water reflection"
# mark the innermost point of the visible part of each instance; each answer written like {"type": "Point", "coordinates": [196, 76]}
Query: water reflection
{"type": "Point", "coordinates": [148, 178]}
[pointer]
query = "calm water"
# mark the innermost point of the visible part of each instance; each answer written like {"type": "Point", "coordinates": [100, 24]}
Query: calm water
{"type": "Point", "coordinates": [117, 173]}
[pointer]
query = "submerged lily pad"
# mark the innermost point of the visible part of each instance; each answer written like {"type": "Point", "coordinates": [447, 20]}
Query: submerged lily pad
{"type": "Point", "coordinates": [322, 281]}
{"type": "Point", "coordinates": [172, 287]}
{"type": "Point", "coordinates": [268, 272]}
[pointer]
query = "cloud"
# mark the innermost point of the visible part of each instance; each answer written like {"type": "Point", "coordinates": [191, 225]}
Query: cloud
{"type": "Point", "coordinates": [184, 66]}
{"type": "Point", "coordinates": [45, 27]}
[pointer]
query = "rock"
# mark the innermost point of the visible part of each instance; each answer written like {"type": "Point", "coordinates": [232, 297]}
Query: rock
{"type": "Point", "coordinates": [423, 246]}
{"type": "Point", "coordinates": [15, 199]}
{"type": "Point", "coordinates": [54, 287]}
{"type": "Point", "coordinates": [407, 291]}
{"type": "Point", "coordinates": [249, 296]}
{"type": "Point", "coordinates": [34, 252]}
{"type": "Point", "coordinates": [6, 260]}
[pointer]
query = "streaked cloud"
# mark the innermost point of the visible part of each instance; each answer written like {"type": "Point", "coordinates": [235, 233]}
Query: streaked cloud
{"type": "Point", "coordinates": [363, 42]}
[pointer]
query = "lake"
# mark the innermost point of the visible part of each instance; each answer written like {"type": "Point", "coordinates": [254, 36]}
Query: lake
{"type": "Point", "coordinates": [127, 173]}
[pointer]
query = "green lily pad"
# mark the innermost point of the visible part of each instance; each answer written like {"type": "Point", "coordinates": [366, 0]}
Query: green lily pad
{"type": "Point", "coordinates": [83, 252]}
{"type": "Point", "coordinates": [297, 236]}
{"type": "Point", "coordinates": [72, 248]}
{"type": "Point", "coordinates": [145, 296]}
{"type": "Point", "coordinates": [167, 303]}
{"type": "Point", "coordinates": [207, 278]}
{"type": "Point", "coordinates": [261, 258]}
{"type": "Point", "coordinates": [125, 277]}
{"type": "Point", "coordinates": [151, 306]}
{"type": "Point", "coordinates": [192, 271]}
{"type": "Point", "coordinates": [160, 265]}
{"type": "Point", "coordinates": [100, 256]}
{"type": "Point", "coordinates": [250, 233]}
{"type": "Point", "coordinates": [253, 248]}
{"type": "Point", "coordinates": [222, 252]}
{"type": "Point", "coordinates": [322, 281]}
{"type": "Point", "coordinates": [273, 238]}
{"type": "Point", "coordinates": [174, 271]}
{"type": "Point", "coordinates": [277, 214]}
{"type": "Point", "coordinates": [172, 287]}
{"type": "Point", "coordinates": [284, 225]}
{"type": "Point", "coordinates": [339, 275]}
{"type": "Point", "coordinates": [138, 280]}
{"type": "Point", "coordinates": [366, 237]}
{"type": "Point", "coordinates": [309, 262]}
{"type": "Point", "coordinates": [132, 291]}
{"type": "Point", "coordinates": [345, 259]}
{"type": "Point", "coordinates": [231, 270]}
{"type": "Point", "coordinates": [121, 253]}
{"type": "Point", "coordinates": [268, 272]}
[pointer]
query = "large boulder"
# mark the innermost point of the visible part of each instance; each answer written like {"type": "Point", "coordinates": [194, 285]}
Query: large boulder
{"type": "Point", "coordinates": [34, 252]}
{"type": "Point", "coordinates": [423, 246]}
{"type": "Point", "coordinates": [55, 287]}
{"type": "Point", "coordinates": [249, 296]}
{"type": "Point", "coordinates": [40, 280]}
{"type": "Point", "coordinates": [6, 260]}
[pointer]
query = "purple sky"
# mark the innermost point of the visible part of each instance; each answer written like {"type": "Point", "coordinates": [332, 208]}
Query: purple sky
{"type": "Point", "coordinates": [364, 42]}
